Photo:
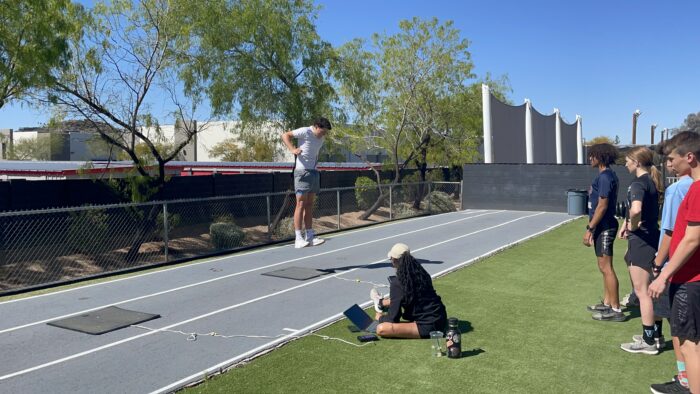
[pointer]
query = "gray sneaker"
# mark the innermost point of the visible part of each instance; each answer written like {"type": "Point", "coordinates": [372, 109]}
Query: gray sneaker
{"type": "Point", "coordinates": [660, 342]}
{"type": "Point", "coordinates": [639, 347]}
{"type": "Point", "coordinates": [600, 307]}
{"type": "Point", "coordinates": [609, 315]}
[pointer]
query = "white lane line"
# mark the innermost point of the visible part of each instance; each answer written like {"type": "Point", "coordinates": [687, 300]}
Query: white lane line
{"type": "Point", "coordinates": [215, 259]}
{"type": "Point", "coordinates": [251, 353]}
{"type": "Point", "coordinates": [110, 345]}
{"type": "Point", "coordinates": [235, 274]}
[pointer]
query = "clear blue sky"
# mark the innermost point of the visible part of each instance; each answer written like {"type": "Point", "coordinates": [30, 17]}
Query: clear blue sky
{"type": "Point", "coordinates": [599, 59]}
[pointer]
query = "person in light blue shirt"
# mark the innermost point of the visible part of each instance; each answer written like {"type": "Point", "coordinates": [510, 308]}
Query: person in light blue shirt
{"type": "Point", "coordinates": [662, 307]}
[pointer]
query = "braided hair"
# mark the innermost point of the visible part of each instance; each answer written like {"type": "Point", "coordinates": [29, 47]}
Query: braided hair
{"type": "Point", "coordinates": [414, 279]}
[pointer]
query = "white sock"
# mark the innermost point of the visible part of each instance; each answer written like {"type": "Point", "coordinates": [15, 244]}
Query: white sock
{"type": "Point", "coordinates": [309, 234]}
{"type": "Point", "coordinates": [617, 309]}
{"type": "Point", "coordinates": [298, 234]}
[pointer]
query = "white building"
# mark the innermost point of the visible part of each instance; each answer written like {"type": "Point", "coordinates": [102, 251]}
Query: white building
{"type": "Point", "coordinates": [209, 135]}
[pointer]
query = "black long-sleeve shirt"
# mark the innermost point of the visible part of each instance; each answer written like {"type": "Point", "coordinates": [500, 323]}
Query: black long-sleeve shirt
{"type": "Point", "coordinates": [426, 307]}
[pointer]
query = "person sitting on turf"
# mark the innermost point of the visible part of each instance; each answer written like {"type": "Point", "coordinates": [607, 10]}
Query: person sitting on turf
{"type": "Point", "coordinates": [412, 297]}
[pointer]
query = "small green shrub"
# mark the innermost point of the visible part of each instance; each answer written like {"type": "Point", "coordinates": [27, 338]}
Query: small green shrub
{"type": "Point", "coordinates": [226, 235]}
{"type": "Point", "coordinates": [410, 189]}
{"type": "Point", "coordinates": [284, 229]}
{"type": "Point", "coordinates": [174, 220]}
{"type": "Point", "coordinates": [403, 210]}
{"type": "Point", "coordinates": [440, 202]}
{"type": "Point", "coordinates": [366, 192]}
{"type": "Point", "coordinates": [88, 230]}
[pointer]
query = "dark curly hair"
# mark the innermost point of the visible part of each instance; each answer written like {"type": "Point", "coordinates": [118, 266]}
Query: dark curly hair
{"type": "Point", "coordinates": [605, 153]}
{"type": "Point", "coordinates": [413, 277]}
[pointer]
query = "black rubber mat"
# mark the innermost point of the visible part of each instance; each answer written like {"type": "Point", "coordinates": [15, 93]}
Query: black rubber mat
{"type": "Point", "coordinates": [297, 273]}
{"type": "Point", "coordinates": [104, 320]}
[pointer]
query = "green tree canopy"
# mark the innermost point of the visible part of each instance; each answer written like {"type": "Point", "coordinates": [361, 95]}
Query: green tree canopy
{"type": "Point", "coordinates": [601, 139]}
{"type": "Point", "coordinates": [692, 123]}
{"type": "Point", "coordinates": [128, 54]}
{"type": "Point", "coordinates": [34, 38]}
{"type": "Point", "coordinates": [414, 94]}
{"type": "Point", "coordinates": [260, 60]}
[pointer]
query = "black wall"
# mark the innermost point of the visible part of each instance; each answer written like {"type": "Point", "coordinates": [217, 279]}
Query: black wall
{"type": "Point", "coordinates": [530, 187]}
{"type": "Point", "coordinates": [20, 194]}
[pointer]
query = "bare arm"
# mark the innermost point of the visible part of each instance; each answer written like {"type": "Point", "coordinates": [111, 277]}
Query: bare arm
{"type": "Point", "coordinates": [287, 138]}
{"type": "Point", "coordinates": [662, 253]}
{"type": "Point", "coordinates": [635, 215]}
{"type": "Point", "coordinates": [600, 210]}
{"type": "Point", "coordinates": [687, 247]}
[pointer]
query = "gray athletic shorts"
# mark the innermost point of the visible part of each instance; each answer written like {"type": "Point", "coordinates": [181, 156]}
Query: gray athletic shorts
{"type": "Point", "coordinates": [306, 181]}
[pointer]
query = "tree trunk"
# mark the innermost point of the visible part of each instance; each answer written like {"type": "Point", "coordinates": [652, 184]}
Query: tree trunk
{"type": "Point", "coordinates": [375, 206]}
{"type": "Point", "coordinates": [281, 212]}
{"type": "Point", "coordinates": [142, 234]}
{"type": "Point", "coordinates": [422, 166]}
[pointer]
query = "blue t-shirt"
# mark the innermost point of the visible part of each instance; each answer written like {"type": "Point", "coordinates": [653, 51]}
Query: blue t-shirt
{"type": "Point", "coordinates": [604, 185]}
{"type": "Point", "coordinates": [674, 195]}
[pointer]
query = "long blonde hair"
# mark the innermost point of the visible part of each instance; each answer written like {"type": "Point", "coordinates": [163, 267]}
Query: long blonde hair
{"type": "Point", "coordinates": [645, 157]}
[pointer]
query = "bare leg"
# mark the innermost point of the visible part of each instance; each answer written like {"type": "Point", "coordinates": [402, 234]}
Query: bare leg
{"type": "Point", "coordinates": [398, 330]}
{"type": "Point", "coordinates": [610, 282]}
{"type": "Point", "coordinates": [677, 349]}
{"type": "Point", "coordinates": [691, 352]}
{"type": "Point", "coordinates": [299, 211]}
{"type": "Point", "coordinates": [640, 281]}
{"type": "Point", "coordinates": [309, 210]}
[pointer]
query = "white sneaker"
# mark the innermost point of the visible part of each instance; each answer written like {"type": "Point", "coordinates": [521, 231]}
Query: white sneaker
{"type": "Point", "coordinates": [376, 297]}
{"type": "Point", "coordinates": [639, 347]}
{"type": "Point", "coordinates": [660, 342]}
{"type": "Point", "coordinates": [301, 243]}
{"type": "Point", "coordinates": [315, 241]}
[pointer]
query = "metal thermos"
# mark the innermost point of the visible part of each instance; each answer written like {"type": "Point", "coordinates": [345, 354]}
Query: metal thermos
{"type": "Point", "coordinates": [454, 338]}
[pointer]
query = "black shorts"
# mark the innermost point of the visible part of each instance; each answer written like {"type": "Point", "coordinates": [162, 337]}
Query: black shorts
{"type": "Point", "coordinates": [639, 253]}
{"type": "Point", "coordinates": [662, 305]}
{"type": "Point", "coordinates": [603, 241]}
{"type": "Point", "coordinates": [424, 329]}
{"type": "Point", "coordinates": [685, 310]}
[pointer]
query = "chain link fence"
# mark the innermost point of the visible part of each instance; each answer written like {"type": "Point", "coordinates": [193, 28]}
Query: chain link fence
{"type": "Point", "coordinates": [53, 246]}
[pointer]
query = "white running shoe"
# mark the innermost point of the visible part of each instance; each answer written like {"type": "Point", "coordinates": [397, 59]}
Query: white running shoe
{"type": "Point", "coordinates": [315, 241]}
{"type": "Point", "coordinates": [639, 347]}
{"type": "Point", "coordinates": [376, 297]}
{"type": "Point", "coordinates": [301, 243]}
{"type": "Point", "coordinates": [660, 342]}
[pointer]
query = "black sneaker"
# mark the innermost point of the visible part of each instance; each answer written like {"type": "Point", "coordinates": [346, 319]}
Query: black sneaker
{"type": "Point", "coordinates": [600, 307]}
{"type": "Point", "coordinates": [673, 386]}
{"type": "Point", "coordinates": [628, 301]}
{"type": "Point", "coordinates": [609, 315]}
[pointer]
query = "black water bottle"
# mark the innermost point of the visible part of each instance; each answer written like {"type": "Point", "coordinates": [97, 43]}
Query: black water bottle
{"type": "Point", "coordinates": [454, 338]}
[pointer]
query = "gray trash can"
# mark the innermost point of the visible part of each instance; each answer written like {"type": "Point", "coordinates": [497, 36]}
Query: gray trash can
{"type": "Point", "coordinates": [577, 202]}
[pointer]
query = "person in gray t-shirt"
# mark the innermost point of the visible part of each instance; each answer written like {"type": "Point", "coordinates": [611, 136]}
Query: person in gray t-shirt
{"type": "Point", "coordinates": [306, 177]}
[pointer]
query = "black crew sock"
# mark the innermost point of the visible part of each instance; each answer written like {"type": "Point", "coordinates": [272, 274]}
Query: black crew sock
{"type": "Point", "coordinates": [648, 334]}
{"type": "Point", "coordinates": [658, 326]}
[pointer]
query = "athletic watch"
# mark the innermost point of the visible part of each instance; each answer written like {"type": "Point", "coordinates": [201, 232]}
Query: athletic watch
{"type": "Point", "coordinates": [589, 228]}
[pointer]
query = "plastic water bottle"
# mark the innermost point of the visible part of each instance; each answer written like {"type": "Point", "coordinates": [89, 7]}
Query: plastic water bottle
{"type": "Point", "coordinates": [454, 338]}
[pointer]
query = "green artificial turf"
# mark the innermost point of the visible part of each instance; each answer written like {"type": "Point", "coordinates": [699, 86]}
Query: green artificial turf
{"type": "Point", "coordinates": [525, 329]}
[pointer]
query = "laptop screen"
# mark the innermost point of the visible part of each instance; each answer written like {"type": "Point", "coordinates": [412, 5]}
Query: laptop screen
{"type": "Point", "coordinates": [358, 317]}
